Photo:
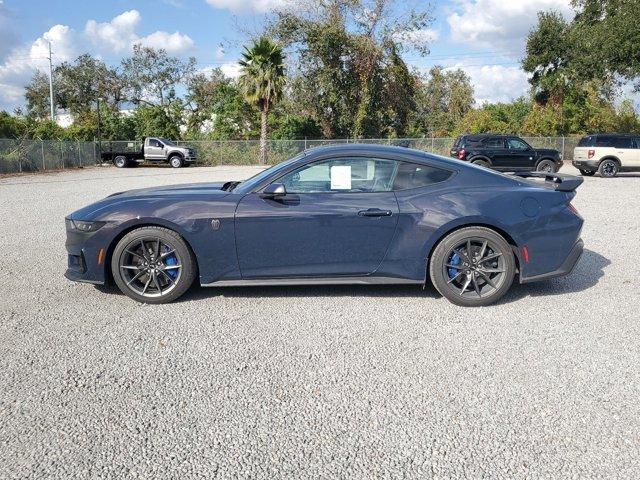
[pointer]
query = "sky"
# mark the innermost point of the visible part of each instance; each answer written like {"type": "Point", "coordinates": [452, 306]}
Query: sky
{"type": "Point", "coordinates": [483, 37]}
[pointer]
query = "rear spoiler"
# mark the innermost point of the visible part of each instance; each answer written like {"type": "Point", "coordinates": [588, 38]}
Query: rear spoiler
{"type": "Point", "coordinates": [557, 181]}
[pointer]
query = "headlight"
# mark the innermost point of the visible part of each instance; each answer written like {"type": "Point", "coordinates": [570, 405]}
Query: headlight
{"type": "Point", "coordinates": [80, 226]}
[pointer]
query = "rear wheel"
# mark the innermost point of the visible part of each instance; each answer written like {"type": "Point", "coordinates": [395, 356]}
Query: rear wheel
{"type": "Point", "coordinates": [546, 166]}
{"type": "Point", "coordinates": [481, 163]}
{"type": "Point", "coordinates": [153, 265]}
{"type": "Point", "coordinates": [176, 161]}
{"type": "Point", "coordinates": [472, 267]}
{"type": "Point", "coordinates": [120, 161]}
{"type": "Point", "coordinates": [608, 168]}
{"type": "Point", "coordinates": [587, 173]}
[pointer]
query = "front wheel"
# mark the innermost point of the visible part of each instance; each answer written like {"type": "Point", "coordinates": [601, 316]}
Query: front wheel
{"type": "Point", "coordinates": [472, 267]}
{"type": "Point", "coordinates": [546, 166]}
{"type": "Point", "coordinates": [153, 265]}
{"type": "Point", "coordinates": [176, 161]}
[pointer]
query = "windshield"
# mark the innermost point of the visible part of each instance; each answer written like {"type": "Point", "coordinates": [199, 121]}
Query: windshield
{"type": "Point", "coordinates": [250, 183]}
{"type": "Point", "coordinates": [168, 142]}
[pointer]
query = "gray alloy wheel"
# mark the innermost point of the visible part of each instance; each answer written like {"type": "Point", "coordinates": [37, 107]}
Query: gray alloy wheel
{"type": "Point", "coordinates": [481, 163]}
{"type": "Point", "coordinates": [176, 161]}
{"type": "Point", "coordinates": [472, 267]}
{"type": "Point", "coordinates": [587, 173]}
{"type": "Point", "coordinates": [120, 161]}
{"type": "Point", "coordinates": [608, 168]}
{"type": "Point", "coordinates": [546, 166]}
{"type": "Point", "coordinates": [153, 265]}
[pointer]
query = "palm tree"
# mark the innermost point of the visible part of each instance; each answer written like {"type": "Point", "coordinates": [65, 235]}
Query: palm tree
{"type": "Point", "coordinates": [262, 80]}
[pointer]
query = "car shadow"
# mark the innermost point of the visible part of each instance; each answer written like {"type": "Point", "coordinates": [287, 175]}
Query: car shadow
{"type": "Point", "coordinates": [587, 273]}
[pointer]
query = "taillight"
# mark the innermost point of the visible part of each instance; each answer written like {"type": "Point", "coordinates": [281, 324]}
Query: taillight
{"type": "Point", "coordinates": [461, 154]}
{"type": "Point", "coordinates": [591, 153]}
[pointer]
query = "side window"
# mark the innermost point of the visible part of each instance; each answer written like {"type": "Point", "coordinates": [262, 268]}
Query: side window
{"type": "Point", "coordinates": [516, 144]}
{"type": "Point", "coordinates": [586, 141]}
{"type": "Point", "coordinates": [348, 174]}
{"type": "Point", "coordinates": [637, 142]}
{"type": "Point", "coordinates": [493, 143]}
{"type": "Point", "coordinates": [413, 175]}
{"type": "Point", "coordinates": [604, 141]}
{"type": "Point", "coordinates": [623, 142]}
{"type": "Point", "coordinates": [154, 143]}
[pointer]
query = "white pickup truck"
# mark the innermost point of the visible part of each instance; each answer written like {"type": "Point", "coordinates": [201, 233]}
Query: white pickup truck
{"type": "Point", "coordinates": [155, 150]}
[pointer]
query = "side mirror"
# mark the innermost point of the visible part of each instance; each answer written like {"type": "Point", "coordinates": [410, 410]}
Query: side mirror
{"type": "Point", "coordinates": [274, 190]}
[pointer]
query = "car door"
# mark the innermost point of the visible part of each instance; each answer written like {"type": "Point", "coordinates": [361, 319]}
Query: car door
{"type": "Point", "coordinates": [635, 154]}
{"type": "Point", "coordinates": [495, 149]}
{"type": "Point", "coordinates": [154, 149]}
{"type": "Point", "coordinates": [337, 218]}
{"type": "Point", "coordinates": [624, 150]}
{"type": "Point", "coordinates": [520, 155]}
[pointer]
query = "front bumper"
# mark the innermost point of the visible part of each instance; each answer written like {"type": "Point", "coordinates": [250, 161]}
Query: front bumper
{"type": "Point", "coordinates": [565, 269]}
{"type": "Point", "coordinates": [87, 254]}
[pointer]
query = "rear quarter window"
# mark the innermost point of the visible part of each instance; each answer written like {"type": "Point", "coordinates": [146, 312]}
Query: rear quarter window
{"type": "Point", "coordinates": [413, 175]}
{"type": "Point", "coordinates": [493, 143]}
{"type": "Point", "coordinates": [604, 141]}
{"type": "Point", "coordinates": [586, 141]}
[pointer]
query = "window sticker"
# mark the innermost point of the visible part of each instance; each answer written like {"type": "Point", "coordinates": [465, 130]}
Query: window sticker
{"type": "Point", "coordinates": [341, 177]}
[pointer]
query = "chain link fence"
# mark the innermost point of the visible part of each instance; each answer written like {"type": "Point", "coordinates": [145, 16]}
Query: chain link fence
{"type": "Point", "coordinates": [17, 156]}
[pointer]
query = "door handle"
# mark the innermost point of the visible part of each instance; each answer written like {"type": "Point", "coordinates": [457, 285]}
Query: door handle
{"type": "Point", "coordinates": [375, 212]}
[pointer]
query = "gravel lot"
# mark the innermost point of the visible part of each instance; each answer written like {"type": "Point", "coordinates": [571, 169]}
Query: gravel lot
{"type": "Point", "coordinates": [309, 382]}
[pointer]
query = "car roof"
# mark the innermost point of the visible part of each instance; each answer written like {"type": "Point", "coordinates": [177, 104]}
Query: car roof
{"type": "Point", "coordinates": [359, 149]}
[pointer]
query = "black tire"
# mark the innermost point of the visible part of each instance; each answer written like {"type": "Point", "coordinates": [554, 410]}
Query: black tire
{"type": "Point", "coordinates": [138, 273]}
{"type": "Point", "coordinates": [587, 173]}
{"type": "Point", "coordinates": [546, 166]}
{"type": "Point", "coordinates": [176, 161]}
{"type": "Point", "coordinates": [608, 168]}
{"type": "Point", "coordinates": [476, 283]}
{"type": "Point", "coordinates": [481, 163]}
{"type": "Point", "coordinates": [121, 161]}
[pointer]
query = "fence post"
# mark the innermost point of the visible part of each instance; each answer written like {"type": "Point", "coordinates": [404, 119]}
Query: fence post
{"type": "Point", "coordinates": [305, 143]}
{"type": "Point", "coordinates": [79, 156]}
{"type": "Point", "coordinates": [44, 167]}
{"type": "Point", "coordinates": [563, 148]}
{"type": "Point", "coordinates": [61, 153]}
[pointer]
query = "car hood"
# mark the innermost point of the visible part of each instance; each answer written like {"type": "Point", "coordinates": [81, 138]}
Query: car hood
{"type": "Point", "coordinates": [212, 190]}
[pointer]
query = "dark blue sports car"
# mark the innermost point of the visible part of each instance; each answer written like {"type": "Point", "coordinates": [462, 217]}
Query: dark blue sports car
{"type": "Point", "coordinates": [340, 214]}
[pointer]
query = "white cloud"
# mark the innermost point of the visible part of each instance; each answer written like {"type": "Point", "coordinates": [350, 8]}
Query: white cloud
{"type": "Point", "coordinates": [246, 6]}
{"type": "Point", "coordinates": [231, 69]}
{"type": "Point", "coordinates": [497, 83]}
{"type": "Point", "coordinates": [424, 36]}
{"type": "Point", "coordinates": [499, 23]}
{"type": "Point", "coordinates": [173, 43]}
{"type": "Point", "coordinates": [23, 61]}
{"type": "Point", "coordinates": [117, 35]}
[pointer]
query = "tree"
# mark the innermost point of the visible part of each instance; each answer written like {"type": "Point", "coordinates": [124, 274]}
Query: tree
{"type": "Point", "coordinates": [77, 86]}
{"type": "Point", "coordinates": [217, 108]}
{"type": "Point", "coordinates": [443, 98]}
{"type": "Point", "coordinates": [548, 55]}
{"type": "Point", "coordinates": [262, 81]}
{"type": "Point", "coordinates": [151, 76]}
{"type": "Point", "coordinates": [606, 34]}
{"type": "Point", "coordinates": [347, 62]}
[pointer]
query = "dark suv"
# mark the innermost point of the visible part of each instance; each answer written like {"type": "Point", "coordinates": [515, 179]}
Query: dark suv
{"type": "Point", "coordinates": [506, 153]}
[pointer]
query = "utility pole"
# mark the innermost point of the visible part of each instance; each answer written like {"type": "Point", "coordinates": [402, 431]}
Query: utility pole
{"type": "Point", "coordinates": [99, 133]}
{"type": "Point", "coordinates": [53, 115]}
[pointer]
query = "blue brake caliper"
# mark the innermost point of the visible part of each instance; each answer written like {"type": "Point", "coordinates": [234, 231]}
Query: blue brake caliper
{"type": "Point", "coordinates": [169, 261]}
{"type": "Point", "coordinates": [454, 260]}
